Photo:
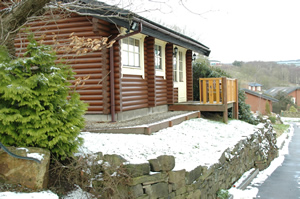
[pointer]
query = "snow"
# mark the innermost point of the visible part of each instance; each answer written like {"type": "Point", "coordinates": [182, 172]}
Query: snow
{"type": "Point", "coordinates": [36, 195]}
{"type": "Point", "coordinates": [193, 143]}
{"type": "Point", "coordinates": [38, 156]}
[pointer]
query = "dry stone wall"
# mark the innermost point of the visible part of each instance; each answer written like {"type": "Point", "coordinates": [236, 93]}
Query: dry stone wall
{"type": "Point", "coordinates": [156, 179]}
{"type": "Point", "coordinates": [289, 114]}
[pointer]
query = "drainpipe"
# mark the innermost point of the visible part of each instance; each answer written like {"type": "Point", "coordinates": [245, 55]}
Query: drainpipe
{"type": "Point", "coordinates": [112, 72]}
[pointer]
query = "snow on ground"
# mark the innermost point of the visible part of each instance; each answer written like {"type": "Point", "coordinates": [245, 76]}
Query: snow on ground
{"type": "Point", "coordinates": [194, 142]}
{"type": "Point", "coordinates": [37, 195]}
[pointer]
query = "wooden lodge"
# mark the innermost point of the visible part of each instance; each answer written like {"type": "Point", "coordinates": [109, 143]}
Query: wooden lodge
{"type": "Point", "coordinates": [147, 69]}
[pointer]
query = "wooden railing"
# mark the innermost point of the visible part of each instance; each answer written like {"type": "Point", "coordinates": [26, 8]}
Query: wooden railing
{"type": "Point", "coordinates": [218, 90]}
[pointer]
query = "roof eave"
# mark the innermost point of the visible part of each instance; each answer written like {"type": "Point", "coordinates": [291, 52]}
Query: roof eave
{"type": "Point", "coordinates": [149, 28]}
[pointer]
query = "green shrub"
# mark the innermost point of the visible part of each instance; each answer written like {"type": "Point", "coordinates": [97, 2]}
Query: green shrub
{"type": "Point", "coordinates": [293, 109]}
{"type": "Point", "coordinates": [223, 194]}
{"type": "Point", "coordinates": [272, 119]}
{"type": "Point", "coordinates": [34, 106]}
{"type": "Point", "coordinates": [268, 109]}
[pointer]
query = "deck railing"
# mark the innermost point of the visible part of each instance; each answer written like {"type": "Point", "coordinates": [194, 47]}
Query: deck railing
{"type": "Point", "coordinates": [218, 90]}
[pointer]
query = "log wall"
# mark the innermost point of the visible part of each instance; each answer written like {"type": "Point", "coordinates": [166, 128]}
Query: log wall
{"type": "Point", "coordinates": [95, 90]}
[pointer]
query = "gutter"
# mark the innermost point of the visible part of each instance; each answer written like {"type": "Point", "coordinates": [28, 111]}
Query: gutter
{"type": "Point", "coordinates": [149, 25]}
{"type": "Point", "coordinates": [112, 72]}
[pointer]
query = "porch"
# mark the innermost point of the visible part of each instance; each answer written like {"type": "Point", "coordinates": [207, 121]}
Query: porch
{"type": "Point", "coordinates": [216, 95]}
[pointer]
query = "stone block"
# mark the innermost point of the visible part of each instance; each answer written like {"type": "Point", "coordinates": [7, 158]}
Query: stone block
{"type": "Point", "coordinates": [167, 162]}
{"type": "Point", "coordinates": [114, 160]}
{"type": "Point", "coordinates": [195, 195]}
{"type": "Point", "coordinates": [154, 165]}
{"type": "Point", "coordinates": [177, 179]}
{"type": "Point", "coordinates": [162, 163]}
{"type": "Point", "coordinates": [193, 175]}
{"type": "Point", "coordinates": [149, 179]}
{"type": "Point", "coordinates": [136, 191]}
{"type": "Point", "coordinates": [157, 190]}
{"type": "Point", "coordinates": [25, 172]}
{"type": "Point", "coordinates": [135, 170]}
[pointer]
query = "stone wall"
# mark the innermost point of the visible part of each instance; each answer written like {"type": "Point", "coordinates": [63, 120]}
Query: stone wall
{"type": "Point", "coordinates": [156, 179]}
{"type": "Point", "coordinates": [289, 114]}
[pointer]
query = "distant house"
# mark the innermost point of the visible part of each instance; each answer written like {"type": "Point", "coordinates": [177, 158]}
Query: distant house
{"type": "Point", "coordinates": [290, 62]}
{"type": "Point", "coordinates": [147, 68]}
{"type": "Point", "coordinates": [258, 101]}
{"type": "Point", "coordinates": [255, 86]}
{"type": "Point", "coordinates": [215, 63]}
{"type": "Point", "coordinates": [294, 92]}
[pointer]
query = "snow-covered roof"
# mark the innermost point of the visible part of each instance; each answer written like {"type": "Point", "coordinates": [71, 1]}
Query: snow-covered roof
{"type": "Point", "coordinates": [274, 91]}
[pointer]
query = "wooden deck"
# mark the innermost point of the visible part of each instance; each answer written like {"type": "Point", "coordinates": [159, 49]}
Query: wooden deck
{"type": "Point", "coordinates": [148, 129]}
{"type": "Point", "coordinates": [216, 95]}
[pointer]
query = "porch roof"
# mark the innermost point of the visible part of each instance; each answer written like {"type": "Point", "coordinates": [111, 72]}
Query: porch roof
{"type": "Point", "coordinates": [124, 18]}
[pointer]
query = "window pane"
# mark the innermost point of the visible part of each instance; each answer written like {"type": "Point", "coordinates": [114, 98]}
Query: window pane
{"type": "Point", "coordinates": [158, 58]}
{"type": "Point", "coordinates": [137, 46]}
{"type": "Point", "coordinates": [137, 60]}
{"type": "Point", "coordinates": [175, 69]}
{"type": "Point", "coordinates": [125, 58]}
{"type": "Point", "coordinates": [131, 59]}
{"type": "Point", "coordinates": [131, 44]}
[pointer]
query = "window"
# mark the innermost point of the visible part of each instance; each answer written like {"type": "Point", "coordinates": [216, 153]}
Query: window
{"type": "Point", "coordinates": [131, 52]}
{"type": "Point", "coordinates": [158, 56]}
{"type": "Point", "coordinates": [175, 77]}
{"type": "Point", "coordinates": [180, 66]}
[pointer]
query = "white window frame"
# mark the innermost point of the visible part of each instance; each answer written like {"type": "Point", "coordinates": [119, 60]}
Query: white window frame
{"type": "Point", "coordinates": [162, 71]}
{"type": "Point", "coordinates": [132, 70]}
{"type": "Point", "coordinates": [183, 51]}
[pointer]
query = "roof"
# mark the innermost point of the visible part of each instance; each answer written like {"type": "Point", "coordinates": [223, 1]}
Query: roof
{"type": "Point", "coordinates": [254, 84]}
{"type": "Point", "coordinates": [260, 95]}
{"type": "Point", "coordinates": [273, 91]}
{"type": "Point", "coordinates": [124, 18]}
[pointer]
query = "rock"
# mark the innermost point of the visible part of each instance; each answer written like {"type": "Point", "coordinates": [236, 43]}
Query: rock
{"type": "Point", "coordinates": [137, 190]}
{"type": "Point", "coordinates": [135, 170]}
{"type": "Point", "coordinates": [114, 160]}
{"type": "Point", "coordinates": [25, 172]}
{"type": "Point", "coordinates": [193, 175]}
{"type": "Point", "coordinates": [177, 179]}
{"type": "Point", "coordinates": [154, 165]}
{"type": "Point", "coordinates": [162, 163]}
{"type": "Point", "coordinates": [157, 190]}
{"type": "Point", "coordinates": [149, 179]}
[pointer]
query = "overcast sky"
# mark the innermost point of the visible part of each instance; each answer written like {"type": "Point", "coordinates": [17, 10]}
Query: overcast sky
{"type": "Point", "coordinates": [244, 30]}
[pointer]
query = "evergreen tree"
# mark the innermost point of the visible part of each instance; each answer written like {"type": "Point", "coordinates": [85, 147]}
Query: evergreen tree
{"type": "Point", "coordinates": [37, 107]}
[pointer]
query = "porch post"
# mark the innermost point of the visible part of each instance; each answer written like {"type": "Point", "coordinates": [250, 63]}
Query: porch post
{"type": "Point", "coordinates": [235, 108]}
{"type": "Point", "coordinates": [189, 76]}
{"type": "Point", "coordinates": [150, 70]}
{"type": "Point", "coordinates": [224, 90]}
{"type": "Point", "coordinates": [169, 73]}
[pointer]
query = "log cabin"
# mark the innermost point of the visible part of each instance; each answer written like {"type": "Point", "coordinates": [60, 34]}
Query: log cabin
{"type": "Point", "coordinates": [147, 67]}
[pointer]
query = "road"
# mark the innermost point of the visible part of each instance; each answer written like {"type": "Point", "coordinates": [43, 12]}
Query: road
{"type": "Point", "coordinates": [284, 182]}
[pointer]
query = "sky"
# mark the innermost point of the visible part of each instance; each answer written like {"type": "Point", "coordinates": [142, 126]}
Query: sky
{"type": "Point", "coordinates": [243, 30]}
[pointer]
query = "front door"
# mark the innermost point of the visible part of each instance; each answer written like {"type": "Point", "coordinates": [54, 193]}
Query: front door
{"type": "Point", "coordinates": [179, 75]}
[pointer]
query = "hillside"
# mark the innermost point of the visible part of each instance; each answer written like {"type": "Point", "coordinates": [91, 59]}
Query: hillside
{"type": "Point", "coordinates": [269, 74]}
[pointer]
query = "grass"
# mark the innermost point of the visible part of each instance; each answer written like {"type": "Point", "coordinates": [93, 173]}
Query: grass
{"type": "Point", "coordinates": [280, 128]}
